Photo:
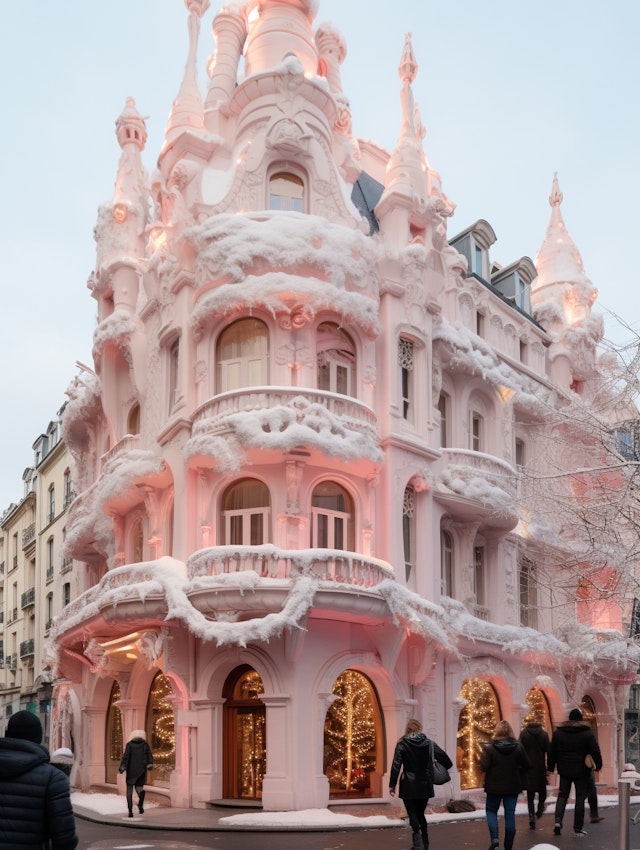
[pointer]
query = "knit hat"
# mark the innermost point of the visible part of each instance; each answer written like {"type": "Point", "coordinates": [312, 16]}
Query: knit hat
{"type": "Point", "coordinates": [62, 756]}
{"type": "Point", "coordinates": [24, 725]}
{"type": "Point", "coordinates": [575, 714]}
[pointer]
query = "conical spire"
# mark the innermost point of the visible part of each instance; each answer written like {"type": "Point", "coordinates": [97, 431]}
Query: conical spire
{"type": "Point", "coordinates": [187, 111]}
{"type": "Point", "coordinates": [561, 274]}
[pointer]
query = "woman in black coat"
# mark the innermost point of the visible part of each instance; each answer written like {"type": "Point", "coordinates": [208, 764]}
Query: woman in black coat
{"type": "Point", "coordinates": [503, 763]}
{"type": "Point", "coordinates": [536, 743]}
{"type": "Point", "coordinates": [412, 756]}
{"type": "Point", "coordinates": [137, 759]}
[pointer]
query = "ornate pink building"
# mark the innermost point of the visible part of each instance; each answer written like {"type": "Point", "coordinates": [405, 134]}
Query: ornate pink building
{"type": "Point", "coordinates": [306, 462]}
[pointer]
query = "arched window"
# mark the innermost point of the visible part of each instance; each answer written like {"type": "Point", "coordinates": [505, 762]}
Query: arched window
{"type": "Point", "coordinates": [354, 739]}
{"type": "Point", "coordinates": [133, 421]}
{"type": "Point", "coordinates": [477, 721]}
{"type": "Point", "coordinates": [161, 727]}
{"type": "Point", "coordinates": [242, 355]}
{"type": "Point", "coordinates": [245, 513]}
{"type": "Point", "coordinates": [538, 709]}
{"type": "Point", "coordinates": [52, 504]}
{"type": "Point", "coordinates": [406, 364]}
{"type": "Point", "coordinates": [446, 564]}
{"type": "Point", "coordinates": [114, 739]}
{"type": "Point", "coordinates": [476, 432]}
{"type": "Point", "coordinates": [408, 532]}
{"type": "Point", "coordinates": [528, 596]}
{"type": "Point", "coordinates": [443, 408]}
{"type": "Point", "coordinates": [331, 517]}
{"type": "Point", "coordinates": [245, 735]}
{"type": "Point", "coordinates": [336, 359]}
{"type": "Point", "coordinates": [137, 542]}
{"type": "Point", "coordinates": [286, 192]}
{"type": "Point", "coordinates": [174, 374]}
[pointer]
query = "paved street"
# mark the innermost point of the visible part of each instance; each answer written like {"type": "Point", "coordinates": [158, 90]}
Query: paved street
{"type": "Point", "coordinates": [452, 835]}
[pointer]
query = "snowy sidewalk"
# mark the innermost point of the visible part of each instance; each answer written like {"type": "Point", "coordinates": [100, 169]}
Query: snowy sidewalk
{"type": "Point", "coordinates": [112, 808]}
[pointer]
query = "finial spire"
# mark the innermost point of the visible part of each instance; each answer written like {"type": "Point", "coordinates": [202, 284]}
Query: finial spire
{"type": "Point", "coordinates": [187, 110]}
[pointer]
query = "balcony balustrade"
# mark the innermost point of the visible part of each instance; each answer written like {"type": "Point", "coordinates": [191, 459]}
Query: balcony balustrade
{"type": "Point", "coordinates": [126, 444]}
{"type": "Point", "coordinates": [467, 464]}
{"type": "Point", "coordinates": [28, 598]}
{"type": "Point", "coordinates": [28, 534]}
{"type": "Point", "coordinates": [353, 413]}
{"type": "Point", "coordinates": [26, 648]}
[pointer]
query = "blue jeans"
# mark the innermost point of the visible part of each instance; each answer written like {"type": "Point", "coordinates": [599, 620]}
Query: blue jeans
{"type": "Point", "coordinates": [493, 804]}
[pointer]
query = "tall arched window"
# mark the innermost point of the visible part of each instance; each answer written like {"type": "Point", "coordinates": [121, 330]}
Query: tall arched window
{"type": "Point", "coordinates": [245, 735]}
{"type": "Point", "coordinates": [408, 532]}
{"type": "Point", "coordinates": [137, 541]}
{"type": "Point", "coordinates": [354, 739]}
{"type": "Point", "coordinates": [336, 359]}
{"type": "Point", "coordinates": [242, 355]}
{"type": "Point", "coordinates": [161, 728]}
{"type": "Point", "coordinates": [331, 517]}
{"type": "Point", "coordinates": [446, 564]}
{"type": "Point", "coordinates": [538, 709]}
{"type": "Point", "coordinates": [286, 192]}
{"type": "Point", "coordinates": [477, 721]}
{"type": "Point", "coordinates": [114, 740]}
{"type": "Point", "coordinates": [245, 513]}
{"type": "Point", "coordinates": [444, 403]}
{"type": "Point", "coordinates": [133, 421]}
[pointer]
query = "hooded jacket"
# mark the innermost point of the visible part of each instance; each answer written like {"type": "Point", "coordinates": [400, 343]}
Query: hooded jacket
{"type": "Point", "coordinates": [35, 806]}
{"type": "Point", "coordinates": [504, 763]}
{"type": "Point", "coordinates": [412, 757]}
{"type": "Point", "coordinates": [135, 761]}
{"type": "Point", "coordinates": [571, 742]}
{"type": "Point", "coordinates": [536, 743]}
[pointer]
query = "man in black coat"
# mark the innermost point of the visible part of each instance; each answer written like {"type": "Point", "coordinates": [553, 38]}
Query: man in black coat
{"type": "Point", "coordinates": [536, 743]}
{"type": "Point", "coordinates": [571, 743]}
{"type": "Point", "coordinates": [35, 803]}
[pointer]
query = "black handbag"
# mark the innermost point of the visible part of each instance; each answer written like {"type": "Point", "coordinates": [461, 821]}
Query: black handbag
{"type": "Point", "coordinates": [439, 773]}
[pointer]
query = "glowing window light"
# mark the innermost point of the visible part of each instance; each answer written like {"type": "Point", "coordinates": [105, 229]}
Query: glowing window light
{"type": "Point", "coordinates": [477, 721]}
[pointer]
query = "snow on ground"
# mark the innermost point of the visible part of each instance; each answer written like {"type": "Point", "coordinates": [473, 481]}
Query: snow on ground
{"type": "Point", "coordinates": [114, 804]}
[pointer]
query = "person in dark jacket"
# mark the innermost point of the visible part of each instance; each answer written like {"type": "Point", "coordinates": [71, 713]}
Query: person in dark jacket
{"type": "Point", "coordinates": [570, 744]}
{"type": "Point", "coordinates": [536, 743]}
{"type": "Point", "coordinates": [412, 757]}
{"type": "Point", "coordinates": [136, 760]}
{"type": "Point", "coordinates": [503, 763]}
{"type": "Point", "coordinates": [35, 803]}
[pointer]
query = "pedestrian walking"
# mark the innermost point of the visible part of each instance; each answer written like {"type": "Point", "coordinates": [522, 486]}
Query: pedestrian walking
{"type": "Point", "coordinates": [536, 743]}
{"type": "Point", "coordinates": [592, 798]}
{"type": "Point", "coordinates": [412, 765]}
{"type": "Point", "coordinates": [571, 743]}
{"type": "Point", "coordinates": [63, 760]}
{"type": "Point", "coordinates": [503, 762]}
{"type": "Point", "coordinates": [136, 760]}
{"type": "Point", "coordinates": [35, 804]}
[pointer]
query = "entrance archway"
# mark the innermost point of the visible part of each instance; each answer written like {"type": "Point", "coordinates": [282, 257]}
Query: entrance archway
{"type": "Point", "coordinates": [114, 739]}
{"type": "Point", "coordinates": [354, 739]}
{"type": "Point", "coordinates": [161, 731]}
{"type": "Point", "coordinates": [245, 735]}
{"type": "Point", "coordinates": [478, 719]}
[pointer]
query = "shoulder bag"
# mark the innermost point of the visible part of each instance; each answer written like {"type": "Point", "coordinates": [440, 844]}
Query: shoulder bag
{"type": "Point", "coordinates": [439, 774]}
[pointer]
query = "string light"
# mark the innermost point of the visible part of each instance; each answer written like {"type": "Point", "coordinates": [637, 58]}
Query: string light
{"type": "Point", "coordinates": [477, 721]}
{"type": "Point", "coordinates": [350, 734]}
{"type": "Point", "coordinates": [162, 722]}
{"type": "Point", "coordinates": [538, 709]}
{"type": "Point", "coordinates": [251, 736]}
{"type": "Point", "coordinates": [116, 736]}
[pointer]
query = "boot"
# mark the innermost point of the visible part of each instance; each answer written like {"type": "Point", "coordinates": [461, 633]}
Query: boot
{"type": "Point", "coordinates": [130, 813]}
{"type": "Point", "coordinates": [140, 802]}
{"type": "Point", "coordinates": [417, 842]}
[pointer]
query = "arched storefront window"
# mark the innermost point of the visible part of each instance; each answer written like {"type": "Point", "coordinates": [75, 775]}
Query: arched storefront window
{"type": "Point", "coordinates": [114, 743]}
{"type": "Point", "coordinates": [538, 709]}
{"type": "Point", "coordinates": [477, 721]}
{"type": "Point", "coordinates": [161, 730]}
{"type": "Point", "coordinates": [245, 735]}
{"type": "Point", "coordinates": [354, 739]}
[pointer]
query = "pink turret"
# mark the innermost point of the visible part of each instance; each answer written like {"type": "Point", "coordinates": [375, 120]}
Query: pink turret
{"type": "Point", "coordinates": [278, 28]}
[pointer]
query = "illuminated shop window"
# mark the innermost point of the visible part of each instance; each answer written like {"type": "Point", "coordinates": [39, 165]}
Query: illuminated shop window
{"type": "Point", "coordinates": [353, 739]}
{"type": "Point", "coordinates": [161, 730]}
{"type": "Point", "coordinates": [477, 721]}
{"type": "Point", "coordinates": [245, 735]}
{"type": "Point", "coordinates": [114, 738]}
{"type": "Point", "coordinates": [538, 709]}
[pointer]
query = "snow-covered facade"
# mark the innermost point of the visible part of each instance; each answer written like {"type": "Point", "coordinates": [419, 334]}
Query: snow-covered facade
{"type": "Point", "coordinates": [302, 511]}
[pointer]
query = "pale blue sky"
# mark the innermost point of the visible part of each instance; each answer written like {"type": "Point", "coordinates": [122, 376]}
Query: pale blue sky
{"type": "Point", "coordinates": [509, 93]}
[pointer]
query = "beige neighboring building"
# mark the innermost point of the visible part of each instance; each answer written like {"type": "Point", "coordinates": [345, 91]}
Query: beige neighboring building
{"type": "Point", "coordinates": [35, 581]}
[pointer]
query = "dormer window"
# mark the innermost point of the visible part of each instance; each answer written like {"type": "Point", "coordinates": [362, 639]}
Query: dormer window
{"type": "Point", "coordinates": [474, 243]}
{"type": "Point", "coordinates": [286, 192]}
{"type": "Point", "coordinates": [513, 282]}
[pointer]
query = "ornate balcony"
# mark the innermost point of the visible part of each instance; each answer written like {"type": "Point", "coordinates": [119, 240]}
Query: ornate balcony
{"type": "Point", "coordinates": [128, 443]}
{"type": "Point", "coordinates": [272, 417]}
{"type": "Point", "coordinates": [477, 486]}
